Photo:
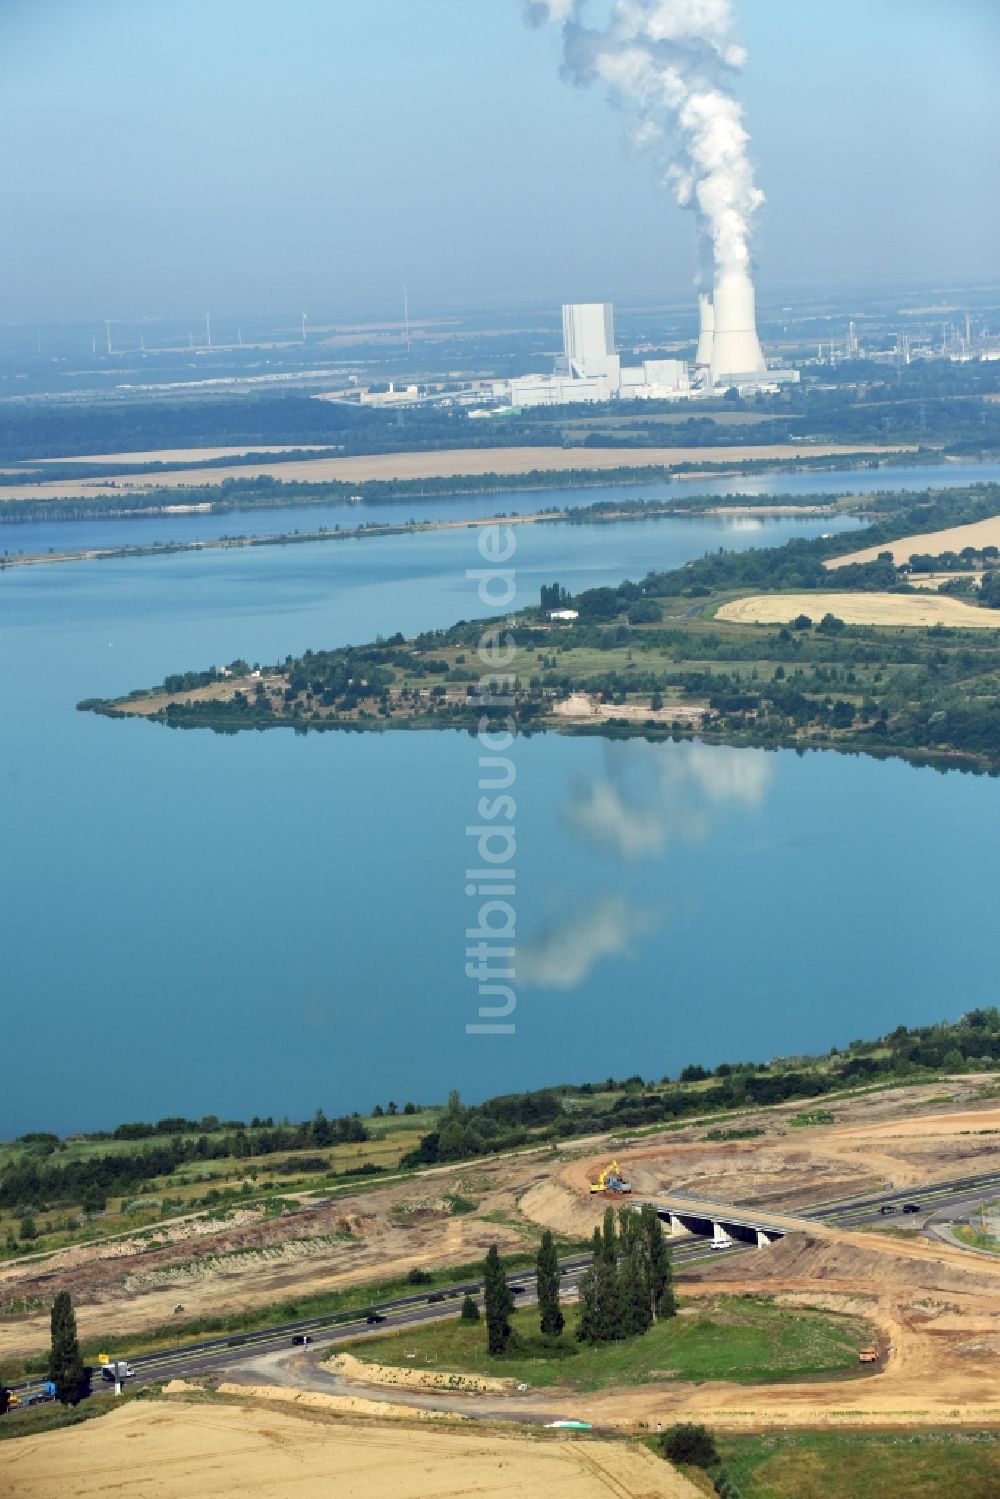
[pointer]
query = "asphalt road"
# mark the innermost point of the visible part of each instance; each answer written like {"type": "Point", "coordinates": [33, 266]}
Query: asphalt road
{"type": "Point", "coordinates": [938, 1202]}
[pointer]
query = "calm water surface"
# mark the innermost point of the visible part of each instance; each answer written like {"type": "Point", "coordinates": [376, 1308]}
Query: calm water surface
{"type": "Point", "coordinates": [272, 922]}
{"type": "Point", "coordinates": [36, 536]}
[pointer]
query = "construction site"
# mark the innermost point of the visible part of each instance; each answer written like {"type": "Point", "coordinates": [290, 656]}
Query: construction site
{"type": "Point", "coordinates": [866, 1211]}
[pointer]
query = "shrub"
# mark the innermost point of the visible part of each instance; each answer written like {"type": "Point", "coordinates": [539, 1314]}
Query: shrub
{"type": "Point", "coordinates": [418, 1277]}
{"type": "Point", "coordinates": [470, 1311]}
{"type": "Point", "coordinates": [691, 1444]}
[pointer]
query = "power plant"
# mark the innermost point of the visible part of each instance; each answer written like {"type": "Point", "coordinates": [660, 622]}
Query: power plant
{"type": "Point", "coordinates": [728, 355]}
{"type": "Point", "coordinates": [736, 351]}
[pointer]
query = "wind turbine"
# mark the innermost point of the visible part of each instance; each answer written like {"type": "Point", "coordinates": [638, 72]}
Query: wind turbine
{"type": "Point", "coordinates": [303, 327]}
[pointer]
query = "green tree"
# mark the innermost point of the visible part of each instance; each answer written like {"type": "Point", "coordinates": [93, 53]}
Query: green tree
{"type": "Point", "coordinates": [659, 1268]}
{"type": "Point", "coordinates": [65, 1363]}
{"type": "Point", "coordinates": [552, 1319]}
{"type": "Point", "coordinates": [691, 1444]}
{"type": "Point", "coordinates": [588, 1328]}
{"type": "Point", "coordinates": [470, 1310]}
{"type": "Point", "coordinates": [633, 1293]}
{"type": "Point", "coordinates": [499, 1303]}
{"type": "Point", "coordinates": [608, 1310]}
{"type": "Point", "coordinates": [609, 1245]}
{"type": "Point", "coordinates": [27, 1228]}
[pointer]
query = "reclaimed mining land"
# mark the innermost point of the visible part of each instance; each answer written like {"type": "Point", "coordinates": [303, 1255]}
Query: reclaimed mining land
{"type": "Point", "coordinates": [879, 665]}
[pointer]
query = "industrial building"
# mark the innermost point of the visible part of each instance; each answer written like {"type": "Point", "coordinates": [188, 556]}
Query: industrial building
{"type": "Point", "coordinates": [590, 369]}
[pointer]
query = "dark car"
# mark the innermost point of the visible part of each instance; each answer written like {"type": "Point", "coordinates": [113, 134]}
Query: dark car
{"type": "Point", "coordinates": [911, 1207]}
{"type": "Point", "coordinates": [886, 1207]}
{"type": "Point", "coordinates": [302, 1339]}
{"type": "Point", "coordinates": [517, 1290]}
{"type": "Point", "coordinates": [36, 1397]}
{"type": "Point", "coordinates": [436, 1296]}
{"type": "Point", "coordinates": [374, 1317]}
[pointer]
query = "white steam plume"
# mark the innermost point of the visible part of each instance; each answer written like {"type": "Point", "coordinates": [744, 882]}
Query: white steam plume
{"type": "Point", "coordinates": [670, 62]}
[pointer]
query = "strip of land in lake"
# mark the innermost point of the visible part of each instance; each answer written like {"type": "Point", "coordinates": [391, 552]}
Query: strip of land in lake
{"type": "Point", "coordinates": [443, 464]}
{"type": "Point", "coordinates": [393, 528]}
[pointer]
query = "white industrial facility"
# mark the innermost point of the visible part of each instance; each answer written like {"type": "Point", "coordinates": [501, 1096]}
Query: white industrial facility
{"type": "Point", "coordinates": [728, 355]}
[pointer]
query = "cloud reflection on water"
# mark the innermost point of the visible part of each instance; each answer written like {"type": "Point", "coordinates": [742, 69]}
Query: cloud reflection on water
{"type": "Point", "coordinates": [650, 796]}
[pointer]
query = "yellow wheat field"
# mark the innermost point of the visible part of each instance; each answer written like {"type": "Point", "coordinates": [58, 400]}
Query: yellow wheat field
{"type": "Point", "coordinates": [860, 609]}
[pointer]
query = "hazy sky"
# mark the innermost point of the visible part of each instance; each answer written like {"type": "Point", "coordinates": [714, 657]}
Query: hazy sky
{"type": "Point", "coordinates": [259, 155]}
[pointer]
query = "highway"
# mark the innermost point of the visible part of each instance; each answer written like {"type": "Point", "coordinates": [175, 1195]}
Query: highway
{"type": "Point", "coordinates": [957, 1197]}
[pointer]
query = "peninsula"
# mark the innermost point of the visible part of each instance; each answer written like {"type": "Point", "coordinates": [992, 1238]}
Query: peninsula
{"type": "Point", "coordinates": [723, 647]}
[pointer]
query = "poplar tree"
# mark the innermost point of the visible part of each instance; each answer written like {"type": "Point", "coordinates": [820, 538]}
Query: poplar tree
{"type": "Point", "coordinates": [588, 1324]}
{"type": "Point", "coordinates": [609, 1246]}
{"type": "Point", "coordinates": [635, 1299]}
{"type": "Point", "coordinates": [65, 1363]}
{"type": "Point", "coordinates": [552, 1319]}
{"type": "Point", "coordinates": [606, 1276]}
{"type": "Point", "coordinates": [499, 1303]}
{"type": "Point", "coordinates": [659, 1268]}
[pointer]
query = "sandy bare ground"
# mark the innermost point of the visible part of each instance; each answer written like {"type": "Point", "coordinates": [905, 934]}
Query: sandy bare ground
{"type": "Point", "coordinates": [936, 1306]}
{"type": "Point", "coordinates": [581, 707]}
{"type": "Point", "coordinates": [448, 463]}
{"type": "Point", "coordinates": [127, 1285]}
{"type": "Point", "coordinates": [983, 533]}
{"type": "Point", "coordinates": [934, 581]}
{"type": "Point", "coordinates": [860, 609]}
{"type": "Point", "coordinates": [177, 1448]}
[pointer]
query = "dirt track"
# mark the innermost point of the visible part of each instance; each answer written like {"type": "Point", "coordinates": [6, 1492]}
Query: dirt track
{"type": "Point", "coordinates": [938, 1308]}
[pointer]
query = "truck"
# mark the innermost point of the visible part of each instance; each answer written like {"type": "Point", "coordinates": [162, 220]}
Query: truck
{"type": "Point", "coordinates": [868, 1356]}
{"type": "Point", "coordinates": [611, 1180]}
{"type": "Point", "coordinates": [42, 1396]}
{"type": "Point", "coordinates": [117, 1369]}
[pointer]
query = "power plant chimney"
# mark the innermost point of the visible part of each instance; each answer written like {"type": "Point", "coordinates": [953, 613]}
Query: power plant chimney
{"type": "Point", "coordinates": [735, 348]}
{"type": "Point", "coordinates": [706, 329]}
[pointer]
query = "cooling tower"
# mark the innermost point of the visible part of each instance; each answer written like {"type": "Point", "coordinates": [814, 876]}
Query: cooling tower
{"type": "Point", "coordinates": [706, 328]}
{"type": "Point", "coordinates": [735, 349]}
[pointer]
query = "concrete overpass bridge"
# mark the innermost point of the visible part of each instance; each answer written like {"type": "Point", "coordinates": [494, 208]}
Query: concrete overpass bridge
{"type": "Point", "coordinates": [686, 1216]}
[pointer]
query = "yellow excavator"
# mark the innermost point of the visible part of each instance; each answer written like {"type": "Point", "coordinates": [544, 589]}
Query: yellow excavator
{"type": "Point", "coordinates": [611, 1180]}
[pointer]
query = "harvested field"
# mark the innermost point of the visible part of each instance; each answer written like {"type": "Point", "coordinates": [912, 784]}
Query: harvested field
{"type": "Point", "coordinates": [983, 533]}
{"type": "Point", "coordinates": [188, 455]}
{"type": "Point", "coordinates": [445, 464]}
{"type": "Point", "coordinates": [860, 609]}
{"type": "Point", "coordinates": [181, 1449]}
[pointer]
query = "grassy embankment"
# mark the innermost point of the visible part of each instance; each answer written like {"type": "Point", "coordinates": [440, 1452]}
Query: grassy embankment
{"type": "Point", "coordinates": [976, 1234]}
{"type": "Point", "coordinates": [744, 1339]}
{"type": "Point", "coordinates": [864, 1464]}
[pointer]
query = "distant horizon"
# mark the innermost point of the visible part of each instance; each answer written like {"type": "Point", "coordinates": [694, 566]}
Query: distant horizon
{"type": "Point", "coordinates": [238, 149]}
{"type": "Point", "coordinates": [637, 299]}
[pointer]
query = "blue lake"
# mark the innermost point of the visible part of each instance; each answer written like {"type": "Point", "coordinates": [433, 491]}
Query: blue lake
{"type": "Point", "coordinates": [272, 922]}
{"type": "Point", "coordinates": [36, 536]}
